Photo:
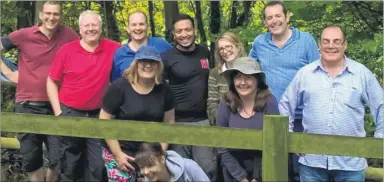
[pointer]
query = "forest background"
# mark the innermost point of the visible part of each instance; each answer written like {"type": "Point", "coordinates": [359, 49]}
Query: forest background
{"type": "Point", "coordinates": [362, 20]}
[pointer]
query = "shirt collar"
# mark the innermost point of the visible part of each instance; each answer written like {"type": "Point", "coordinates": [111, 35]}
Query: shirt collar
{"type": "Point", "coordinates": [99, 48]}
{"type": "Point", "coordinates": [295, 34]}
{"type": "Point", "coordinates": [150, 42]}
{"type": "Point", "coordinates": [224, 68]}
{"type": "Point", "coordinates": [36, 28]}
{"type": "Point", "coordinates": [347, 65]}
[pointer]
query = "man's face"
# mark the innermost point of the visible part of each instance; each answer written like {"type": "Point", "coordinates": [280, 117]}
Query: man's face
{"type": "Point", "coordinates": [184, 33]}
{"type": "Point", "coordinates": [137, 27]}
{"type": "Point", "coordinates": [50, 16]}
{"type": "Point", "coordinates": [332, 45]}
{"type": "Point", "coordinates": [90, 28]}
{"type": "Point", "coordinates": [275, 19]}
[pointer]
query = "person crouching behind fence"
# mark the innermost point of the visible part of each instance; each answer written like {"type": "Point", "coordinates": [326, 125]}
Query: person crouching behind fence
{"type": "Point", "coordinates": [139, 95]}
{"type": "Point", "coordinates": [159, 165]}
{"type": "Point", "coordinates": [244, 106]}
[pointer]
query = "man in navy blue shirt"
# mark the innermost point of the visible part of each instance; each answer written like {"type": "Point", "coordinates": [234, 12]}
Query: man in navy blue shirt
{"type": "Point", "coordinates": [281, 52]}
{"type": "Point", "coordinates": [138, 35]}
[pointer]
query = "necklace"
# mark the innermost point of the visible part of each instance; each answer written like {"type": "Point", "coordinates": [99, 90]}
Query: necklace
{"type": "Point", "coordinates": [250, 115]}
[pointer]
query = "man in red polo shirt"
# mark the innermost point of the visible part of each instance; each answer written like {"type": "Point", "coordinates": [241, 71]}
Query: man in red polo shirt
{"type": "Point", "coordinates": [82, 69]}
{"type": "Point", "coordinates": [37, 47]}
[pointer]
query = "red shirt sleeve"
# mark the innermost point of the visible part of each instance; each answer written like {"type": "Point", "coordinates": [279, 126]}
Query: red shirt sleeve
{"type": "Point", "coordinates": [71, 34]}
{"type": "Point", "coordinates": [17, 37]}
{"type": "Point", "coordinates": [57, 68]}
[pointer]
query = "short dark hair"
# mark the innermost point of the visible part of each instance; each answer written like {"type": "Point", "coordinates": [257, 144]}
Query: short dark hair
{"type": "Point", "coordinates": [183, 17]}
{"type": "Point", "coordinates": [148, 154]}
{"type": "Point", "coordinates": [146, 18]}
{"type": "Point", "coordinates": [57, 3]}
{"type": "Point", "coordinates": [273, 3]}
{"type": "Point", "coordinates": [335, 26]}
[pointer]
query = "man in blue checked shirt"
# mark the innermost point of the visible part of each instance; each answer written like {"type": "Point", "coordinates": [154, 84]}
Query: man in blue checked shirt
{"type": "Point", "coordinates": [281, 52]}
{"type": "Point", "coordinates": [334, 91]}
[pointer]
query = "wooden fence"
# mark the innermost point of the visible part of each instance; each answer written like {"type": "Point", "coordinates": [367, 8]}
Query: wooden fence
{"type": "Point", "coordinates": [275, 141]}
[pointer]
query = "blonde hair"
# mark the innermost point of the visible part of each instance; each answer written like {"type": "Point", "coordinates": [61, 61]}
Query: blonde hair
{"type": "Point", "coordinates": [233, 39]}
{"type": "Point", "coordinates": [132, 75]}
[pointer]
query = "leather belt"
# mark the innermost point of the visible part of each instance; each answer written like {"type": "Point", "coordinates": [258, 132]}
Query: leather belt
{"type": "Point", "coordinates": [35, 103]}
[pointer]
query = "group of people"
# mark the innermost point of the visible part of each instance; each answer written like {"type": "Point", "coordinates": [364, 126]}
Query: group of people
{"type": "Point", "coordinates": [148, 79]}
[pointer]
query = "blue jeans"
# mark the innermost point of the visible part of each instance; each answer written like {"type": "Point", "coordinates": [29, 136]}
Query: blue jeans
{"type": "Point", "coordinates": [309, 174]}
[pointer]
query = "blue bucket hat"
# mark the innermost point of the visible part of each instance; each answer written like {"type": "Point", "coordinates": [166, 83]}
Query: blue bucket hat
{"type": "Point", "coordinates": [147, 52]}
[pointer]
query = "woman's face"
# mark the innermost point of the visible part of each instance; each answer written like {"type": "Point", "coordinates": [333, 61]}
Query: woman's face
{"type": "Point", "coordinates": [228, 51]}
{"type": "Point", "coordinates": [147, 69]}
{"type": "Point", "coordinates": [153, 172]}
{"type": "Point", "coordinates": [245, 85]}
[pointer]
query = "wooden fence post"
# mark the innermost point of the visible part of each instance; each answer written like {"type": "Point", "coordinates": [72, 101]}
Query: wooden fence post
{"type": "Point", "coordinates": [275, 149]}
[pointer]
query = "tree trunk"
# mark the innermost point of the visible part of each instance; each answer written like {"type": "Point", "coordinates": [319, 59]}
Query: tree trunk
{"type": "Point", "coordinates": [27, 16]}
{"type": "Point", "coordinates": [200, 25]}
{"type": "Point", "coordinates": [171, 10]}
{"type": "Point", "coordinates": [151, 19]}
{"type": "Point", "coordinates": [232, 22]}
{"type": "Point", "coordinates": [112, 29]}
{"type": "Point", "coordinates": [244, 17]}
{"type": "Point", "coordinates": [214, 27]}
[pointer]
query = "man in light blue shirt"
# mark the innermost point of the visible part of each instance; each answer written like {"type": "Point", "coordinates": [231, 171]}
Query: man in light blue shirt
{"type": "Point", "coordinates": [334, 92]}
{"type": "Point", "coordinates": [281, 52]}
{"type": "Point", "coordinates": [137, 30]}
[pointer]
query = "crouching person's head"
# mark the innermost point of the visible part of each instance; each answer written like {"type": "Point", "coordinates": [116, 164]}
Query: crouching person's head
{"type": "Point", "coordinates": [158, 165]}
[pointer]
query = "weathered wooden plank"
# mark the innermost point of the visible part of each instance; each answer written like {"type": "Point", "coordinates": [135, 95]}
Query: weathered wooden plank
{"type": "Point", "coordinates": [194, 135]}
{"type": "Point", "coordinates": [371, 173]}
{"type": "Point", "coordinates": [335, 145]}
{"type": "Point", "coordinates": [275, 149]}
{"type": "Point", "coordinates": [132, 130]}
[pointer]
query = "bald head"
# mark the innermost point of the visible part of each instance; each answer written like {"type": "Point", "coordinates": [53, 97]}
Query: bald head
{"type": "Point", "coordinates": [138, 15]}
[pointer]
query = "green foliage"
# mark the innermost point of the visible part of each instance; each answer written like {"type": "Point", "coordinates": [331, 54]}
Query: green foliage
{"type": "Point", "coordinates": [370, 53]}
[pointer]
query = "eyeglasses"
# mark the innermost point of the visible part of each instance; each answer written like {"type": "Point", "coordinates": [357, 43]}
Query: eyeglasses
{"type": "Point", "coordinates": [227, 48]}
{"type": "Point", "coordinates": [50, 14]}
{"type": "Point", "coordinates": [337, 42]}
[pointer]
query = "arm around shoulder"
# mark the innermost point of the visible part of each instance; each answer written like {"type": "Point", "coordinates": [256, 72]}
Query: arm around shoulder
{"type": "Point", "coordinates": [213, 97]}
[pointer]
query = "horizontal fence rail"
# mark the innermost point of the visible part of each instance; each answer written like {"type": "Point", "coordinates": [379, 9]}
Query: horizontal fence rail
{"type": "Point", "coordinates": [188, 134]}
{"type": "Point", "coordinates": [275, 140]}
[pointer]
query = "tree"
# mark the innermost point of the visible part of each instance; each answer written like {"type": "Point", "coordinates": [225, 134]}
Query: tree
{"type": "Point", "coordinates": [26, 17]}
{"type": "Point", "coordinates": [112, 31]}
{"type": "Point", "coordinates": [200, 25]}
{"type": "Point", "coordinates": [171, 10]}
{"type": "Point", "coordinates": [214, 28]}
{"type": "Point", "coordinates": [151, 19]}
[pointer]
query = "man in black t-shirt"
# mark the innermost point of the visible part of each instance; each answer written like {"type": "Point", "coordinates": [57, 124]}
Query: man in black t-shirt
{"type": "Point", "coordinates": [186, 68]}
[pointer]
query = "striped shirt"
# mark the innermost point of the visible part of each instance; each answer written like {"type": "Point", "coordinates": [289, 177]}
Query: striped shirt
{"type": "Point", "coordinates": [217, 87]}
{"type": "Point", "coordinates": [281, 64]}
{"type": "Point", "coordinates": [334, 106]}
